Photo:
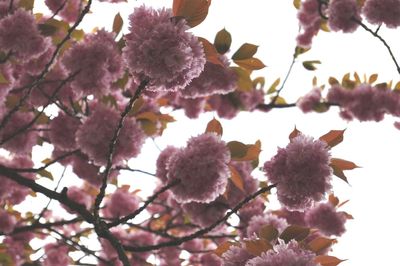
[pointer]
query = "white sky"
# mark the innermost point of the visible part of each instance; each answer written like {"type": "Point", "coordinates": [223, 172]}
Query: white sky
{"type": "Point", "coordinates": [370, 239]}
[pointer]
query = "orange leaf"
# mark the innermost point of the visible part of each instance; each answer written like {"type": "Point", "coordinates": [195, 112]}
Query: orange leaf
{"type": "Point", "coordinates": [222, 41]}
{"type": "Point", "coordinates": [295, 232]}
{"type": "Point", "coordinates": [333, 200]}
{"type": "Point", "coordinates": [214, 126]}
{"type": "Point", "coordinates": [238, 150]}
{"type": "Point", "coordinates": [236, 178]}
{"type": "Point", "coordinates": [326, 260]}
{"type": "Point", "coordinates": [224, 247]}
{"type": "Point", "coordinates": [147, 116]}
{"type": "Point", "coordinates": [117, 24]}
{"type": "Point", "coordinates": [194, 11]}
{"type": "Point", "coordinates": [372, 78]}
{"type": "Point", "coordinates": [244, 81]}
{"type": "Point", "coordinates": [294, 133]}
{"type": "Point", "coordinates": [256, 247]}
{"type": "Point", "coordinates": [320, 244]}
{"type": "Point", "coordinates": [250, 63]}
{"type": "Point", "coordinates": [211, 53]}
{"type": "Point", "coordinates": [245, 51]}
{"type": "Point", "coordinates": [253, 151]}
{"type": "Point", "coordinates": [333, 137]}
{"type": "Point", "coordinates": [343, 164]}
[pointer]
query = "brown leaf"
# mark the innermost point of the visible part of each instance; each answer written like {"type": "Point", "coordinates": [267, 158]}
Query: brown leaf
{"type": "Point", "coordinates": [294, 232]}
{"type": "Point", "coordinates": [236, 179]}
{"type": "Point", "coordinates": [194, 11]}
{"type": "Point", "coordinates": [117, 24]}
{"type": "Point", "coordinates": [320, 244]}
{"type": "Point", "coordinates": [222, 41]}
{"type": "Point", "coordinates": [333, 137]}
{"type": "Point", "coordinates": [333, 199]}
{"type": "Point", "coordinates": [268, 232]}
{"type": "Point", "coordinates": [273, 86]}
{"type": "Point", "coordinates": [211, 53]}
{"type": "Point", "coordinates": [310, 65]}
{"type": "Point", "coordinates": [326, 260]}
{"type": "Point", "coordinates": [372, 78]}
{"type": "Point", "coordinates": [333, 81]}
{"type": "Point", "coordinates": [238, 149]}
{"type": "Point", "coordinates": [257, 247]}
{"type": "Point", "coordinates": [224, 247]}
{"type": "Point", "coordinates": [339, 165]}
{"type": "Point", "coordinates": [250, 63]}
{"type": "Point", "coordinates": [294, 133]}
{"type": "Point", "coordinates": [245, 51]}
{"type": "Point", "coordinates": [214, 126]}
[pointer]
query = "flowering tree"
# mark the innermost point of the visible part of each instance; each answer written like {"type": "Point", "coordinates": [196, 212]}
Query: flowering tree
{"type": "Point", "coordinates": [96, 97]}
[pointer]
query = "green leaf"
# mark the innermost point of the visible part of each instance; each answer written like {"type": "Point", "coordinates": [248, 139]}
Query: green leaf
{"type": "Point", "coordinates": [245, 51]}
{"type": "Point", "coordinates": [3, 79]}
{"type": "Point", "coordinates": [222, 41]}
{"type": "Point", "coordinates": [310, 65]}
{"type": "Point", "coordinates": [46, 174]}
{"type": "Point", "coordinates": [117, 24]}
{"type": "Point", "coordinates": [273, 86]}
{"type": "Point", "coordinates": [244, 80]}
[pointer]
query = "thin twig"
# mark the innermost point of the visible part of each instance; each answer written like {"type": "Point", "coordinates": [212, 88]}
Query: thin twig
{"type": "Point", "coordinates": [202, 231]}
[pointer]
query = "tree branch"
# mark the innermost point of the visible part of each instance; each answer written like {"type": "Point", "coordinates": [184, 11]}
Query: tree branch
{"type": "Point", "coordinates": [204, 230]}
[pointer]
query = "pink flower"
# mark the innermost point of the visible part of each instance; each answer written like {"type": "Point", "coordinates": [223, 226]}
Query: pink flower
{"type": "Point", "coordinates": [205, 214]}
{"type": "Point", "coordinates": [236, 256]}
{"type": "Point", "coordinates": [121, 203]}
{"type": "Point", "coordinates": [62, 132]}
{"type": "Point", "coordinates": [364, 102]}
{"type": "Point", "coordinates": [215, 79]}
{"type": "Point", "coordinates": [86, 170]}
{"type": "Point", "coordinates": [20, 35]}
{"type": "Point", "coordinates": [56, 255]}
{"type": "Point", "coordinates": [210, 259]}
{"type": "Point", "coordinates": [253, 208]}
{"type": "Point", "coordinates": [251, 99]}
{"type": "Point", "coordinates": [96, 132]}
{"type": "Point", "coordinates": [98, 61]}
{"type": "Point", "coordinates": [227, 106]}
{"type": "Point", "coordinates": [7, 222]}
{"type": "Point", "coordinates": [310, 100]}
{"type": "Point", "coordinates": [285, 255]}
{"type": "Point", "coordinates": [20, 144]}
{"type": "Point", "coordinates": [201, 168]}
{"type": "Point", "coordinates": [258, 222]}
{"type": "Point", "coordinates": [301, 172]}
{"type": "Point", "coordinates": [69, 12]}
{"type": "Point", "coordinates": [163, 161]}
{"type": "Point", "coordinates": [310, 20]}
{"type": "Point", "coordinates": [9, 190]}
{"type": "Point", "coordinates": [162, 50]}
{"type": "Point", "coordinates": [139, 239]}
{"type": "Point", "coordinates": [79, 196]}
{"type": "Point", "coordinates": [383, 11]}
{"type": "Point", "coordinates": [342, 14]}
{"type": "Point", "coordinates": [325, 217]}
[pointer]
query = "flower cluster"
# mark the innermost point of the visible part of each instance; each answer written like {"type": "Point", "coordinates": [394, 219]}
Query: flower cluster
{"type": "Point", "coordinates": [309, 101]}
{"type": "Point", "coordinates": [301, 172]}
{"type": "Point", "coordinates": [258, 222]}
{"type": "Point", "coordinates": [310, 20]}
{"type": "Point", "coordinates": [284, 255]}
{"type": "Point", "coordinates": [67, 10]}
{"type": "Point", "coordinates": [62, 132]}
{"type": "Point", "coordinates": [365, 102]}
{"type": "Point", "coordinates": [20, 36]}
{"type": "Point", "coordinates": [95, 134]}
{"type": "Point", "coordinates": [215, 79]}
{"type": "Point", "coordinates": [342, 15]}
{"type": "Point", "coordinates": [201, 168]}
{"type": "Point", "coordinates": [96, 62]}
{"type": "Point", "coordinates": [121, 203]}
{"type": "Point", "coordinates": [161, 50]}
{"type": "Point", "coordinates": [325, 217]}
{"type": "Point", "coordinates": [383, 11]}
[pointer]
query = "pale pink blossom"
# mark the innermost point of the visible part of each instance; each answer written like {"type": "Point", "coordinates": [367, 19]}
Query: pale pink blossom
{"type": "Point", "coordinates": [383, 11]}
{"type": "Point", "coordinates": [79, 196]}
{"type": "Point", "coordinates": [96, 61]}
{"type": "Point", "coordinates": [96, 132]}
{"type": "Point", "coordinates": [205, 214]}
{"type": "Point", "coordinates": [309, 101]}
{"type": "Point", "coordinates": [201, 169]}
{"type": "Point", "coordinates": [236, 256]}
{"type": "Point", "coordinates": [342, 15]}
{"type": "Point", "coordinates": [62, 132]}
{"type": "Point", "coordinates": [301, 172]}
{"type": "Point", "coordinates": [19, 34]}
{"type": "Point", "coordinates": [290, 254]}
{"type": "Point", "coordinates": [258, 222]}
{"type": "Point", "coordinates": [325, 218]}
{"type": "Point", "coordinates": [7, 222]}
{"type": "Point", "coordinates": [163, 161]}
{"type": "Point", "coordinates": [162, 50]}
{"type": "Point", "coordinates": [68, 10]}
{"type": "Point", "coordinates": [310, 21]}
{"type": "Point", "coordinates": [121, 203]}
{"type": "Point", "coordinates": [56, 255]}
